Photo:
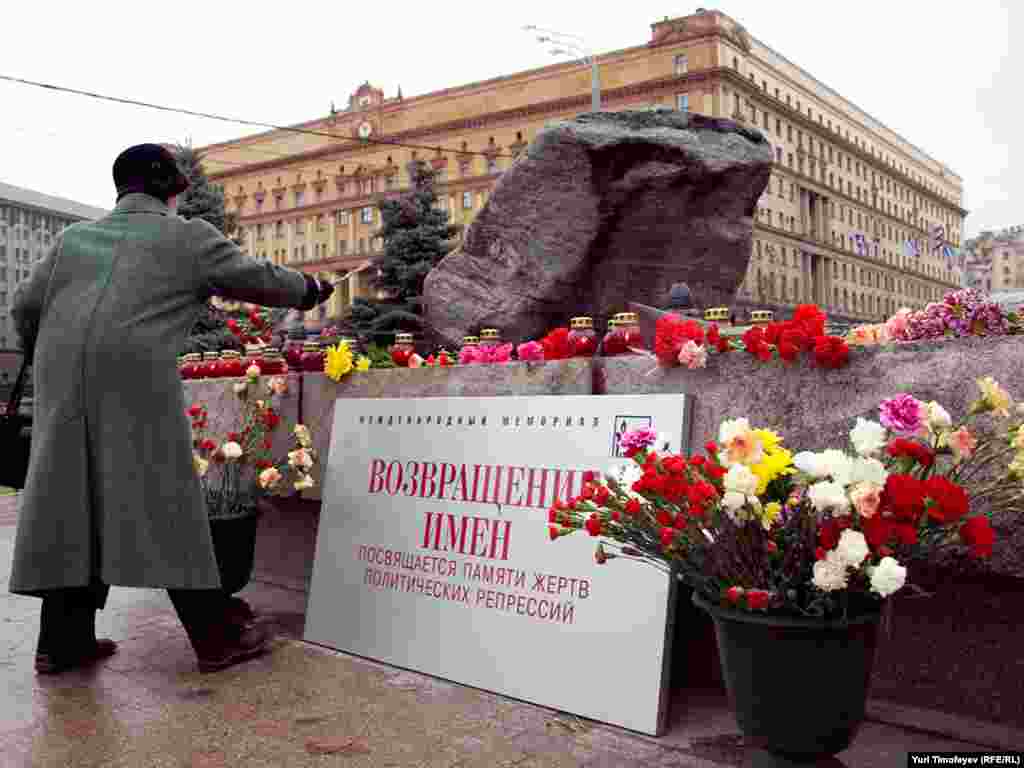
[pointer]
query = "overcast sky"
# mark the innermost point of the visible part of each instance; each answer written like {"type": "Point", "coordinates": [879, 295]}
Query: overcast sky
{"type": "Point", "coordinates": [940, 74]}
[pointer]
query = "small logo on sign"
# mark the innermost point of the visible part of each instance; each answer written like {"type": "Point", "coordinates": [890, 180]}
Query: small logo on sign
{"type": "Point", "coordinates": [624, 424]}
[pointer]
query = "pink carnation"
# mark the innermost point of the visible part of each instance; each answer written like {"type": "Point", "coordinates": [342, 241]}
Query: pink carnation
{"type": "Point", "coordinates": [637, 440]}
{"type": "Point", "coordinates": [531, 351]}
{"type": "Point", "coordinates": [897, 326]}
{"type": "Point", "coordinates": [693, 355]}
{"type": "Point", "coordinates": [903, 413]}
{"type": "Point", "coordinates": [469, 355]}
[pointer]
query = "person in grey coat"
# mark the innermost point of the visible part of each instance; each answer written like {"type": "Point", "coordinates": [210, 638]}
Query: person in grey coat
{"type": "Point", "coordinates": [112, 496]}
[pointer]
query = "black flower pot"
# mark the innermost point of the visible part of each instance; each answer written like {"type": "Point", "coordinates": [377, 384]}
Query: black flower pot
{"type": "Point", "coordinates": [798, 686]}
{"type": "Point", "coordinates": [234, 544]}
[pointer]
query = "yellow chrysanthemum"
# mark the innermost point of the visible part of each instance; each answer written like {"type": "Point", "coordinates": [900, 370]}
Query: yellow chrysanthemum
{"type": "Point", "coordinates": [338, 362]}
{"type": "Point", "coordinates": [775, 463]}
{"type": "Point", "coordinates": [770, 440]}
{"type": "Point", "coordinates": [770, 513]}
{"type": "Point", "coordinates": [363, 363]}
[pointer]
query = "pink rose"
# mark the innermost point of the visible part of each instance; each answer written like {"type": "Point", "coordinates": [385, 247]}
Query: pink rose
{"type": "Point", "coordinates": [963, 443]}
{"type": "Point", "coordinates": [531, 351]}
{"type": "Point", "coordinates": [693, 355]}
{"type": "Point", "coordinates": [866, 498]}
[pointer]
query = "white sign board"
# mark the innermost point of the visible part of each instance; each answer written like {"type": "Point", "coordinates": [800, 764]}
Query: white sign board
{"type": "Point", "coordinates": [433, 551]}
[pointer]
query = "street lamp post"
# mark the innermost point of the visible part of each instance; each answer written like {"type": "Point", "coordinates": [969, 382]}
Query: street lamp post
{"type": "Point", "coordinates": [568, 47]}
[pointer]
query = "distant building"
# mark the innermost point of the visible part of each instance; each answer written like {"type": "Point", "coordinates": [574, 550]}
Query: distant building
{"type": "Point", "coordinates": [29, 221]}
{"type": "Point", "coordinates": [995, 262]}
{"type": "Point", "coordinates": [845, 221]}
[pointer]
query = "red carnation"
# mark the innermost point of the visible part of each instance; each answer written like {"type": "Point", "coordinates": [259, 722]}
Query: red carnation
{"type": "Point", "coordinates": [828, 534]}
{"type": "Point", "coordinates": [195, 410]}
{"type": "Point", "coordinates": [733, 594]}
{"type": "Point", "coordinates": [711, 448]}
{"type": "Point", "coordinates": [588, 492]}
{"type": "Point", "coordinates": [901, 446]}
{"type": "Point", "coordinates": [593, 525]}
{"type": "Point", "coordinates": [208, 445]}
{"type": "Point", "coordinates": [877, 531]}
{"type": "Point", "coordinates": [589, 476]}
{"type": "Point", "coordinates": [950, 500]}
{"type": "Point", "coordinates": [723, 345]}
{"type": "Point", "coordinates": [556, 345]}
{"type": "Point", "coordinates": [664, 517]}
{"type": "Point", "coordinates": [754, 341]}
{"type": "Point", "coordinates": [819, 553]}
{"type": "Point", "coordinates": [811, 320]}
{"type": "Point", "coordinates": [757, 599]}
{"type": "Point", "coordinates": [633, 507]}
{"type": "Point", "coordinates": [977, 533]}
{"type": "Point", "coordinates": [904, 497]}
{"type": "Point", "coordinates": [233, 325]}
{"type": "Point", "coordinates": [668, 535]}
{"type": "Point", "coordinates": [671, 332]}
{"type": "Point", "coordinates": [234, 437]}
{"type": "Point", "coordinates": [713, 335]}
{"type": "Point", "coordinates": [771, 546]}
{"type": "Point", "coordinates": [601, 495]}
{"type": "Point", "coordinates": [553, 532]}
{"type": "Point", "coordinates": [831, 352]}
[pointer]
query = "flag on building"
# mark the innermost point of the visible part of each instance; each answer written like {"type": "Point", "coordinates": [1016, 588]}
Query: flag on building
{"type": "Point", "coordinates": [936, 238]}
{"type": "Point", "coordinates": [911, 248]}
{"type": "Point", "coordinates": [860, 243]}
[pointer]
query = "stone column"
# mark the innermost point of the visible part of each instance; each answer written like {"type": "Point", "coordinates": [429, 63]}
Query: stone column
{"type": "Point", "coordinates": [805, 212]}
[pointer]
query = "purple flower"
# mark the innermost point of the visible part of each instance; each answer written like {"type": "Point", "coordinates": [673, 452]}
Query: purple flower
{"type": "Point", "coordinates": [903, 413]}
{"type": "Point", "coordinates": [637, 440]}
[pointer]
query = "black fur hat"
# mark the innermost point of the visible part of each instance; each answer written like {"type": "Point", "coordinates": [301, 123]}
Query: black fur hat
{"type": "Point", "coordinates": [150, 169]}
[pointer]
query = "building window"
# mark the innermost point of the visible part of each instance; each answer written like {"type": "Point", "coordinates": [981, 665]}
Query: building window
{"type": "Point", "coordinates": [300, 227]}
{"type": "Point", "coordinates": [342, 246]}
{"type": "Point", "coordinates": [367, 215]}
{"type": "Point", "coordinates": [492, 165]}
{"type": "Point", "coordinates": [683, 102]}
{"type": "Point", "coordinates": [343, 217]}
{"type": "Point", "coordinates": [300, 198]}
{"type": "Point", "coordinates": [682, 64]}
{"type": "Point", "coordinates": [778, 155]}
{"type": "Point", "coordinates": [467, 201]}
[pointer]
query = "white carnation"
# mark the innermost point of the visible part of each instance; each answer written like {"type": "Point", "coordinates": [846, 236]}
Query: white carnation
{"type": "Point", "coordinates": [739, 478]}
{"type": "Point", "coordinates": [838, 465]}
{"type": "Point", "coordinates": [887, 577]}
{"type": "Point", "coordinates": [830, 573]}
{"type": "Point", "coordinates": [733, 500]}
{"type": "Point", "coordinates": [732, 428]}
{"type": "Point", "coordinates": [810, 464]}
{"type": "Point", "coordinates": [852, 548]}
{"type": "Point", "coordinates": [938, 417]}
{"type": "Point", "coordinates": [868, 437]}
{"type": "Point", "coordinates": [829, 495]}
{"type": "Point", "coordinates": [869, 471]}
{"type": "Point", "coordinates": [231, 450]}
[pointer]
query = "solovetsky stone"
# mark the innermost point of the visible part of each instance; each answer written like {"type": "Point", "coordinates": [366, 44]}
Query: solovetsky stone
{"type": "Point", "coordinates": [601, 210]}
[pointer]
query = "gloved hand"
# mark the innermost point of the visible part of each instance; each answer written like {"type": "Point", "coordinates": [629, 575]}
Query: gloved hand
{"type": "Point", "coordinates": [317, 292]}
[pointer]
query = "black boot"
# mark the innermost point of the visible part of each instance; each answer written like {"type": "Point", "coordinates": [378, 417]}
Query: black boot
{"type": "Point", "coordinates": [67, 632]}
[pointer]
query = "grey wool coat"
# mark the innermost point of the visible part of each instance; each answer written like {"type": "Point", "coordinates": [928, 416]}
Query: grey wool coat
{"type": "Point", "coordinates": [111, 493]}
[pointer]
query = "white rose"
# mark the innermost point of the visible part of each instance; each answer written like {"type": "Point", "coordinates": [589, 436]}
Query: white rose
{"type": "Point", "coordinates": [829, 495]}
{"type": "Point", "coordinates": [887, 577]}
{"type": "Point", "coordinates": [739, 478]}
{"type": "Point", "coordinates": [304, 482]}
{"type": "Point", "coordinates": [868, 437]}
{"type": "Point", "coordinates": [301, 432]}
{"type": "Point", "coordinates": [869, 471]}
{"type": "Point", "coordinates": [852, 548]}
{"type": "Point", "coordinates": [830, 573]}
{"type": "Point", "coordinates": [269, 477]}
{"type": "Point", "coordinates": [938, 418]}
{"type": "Point", "coordinates": [231, 450]}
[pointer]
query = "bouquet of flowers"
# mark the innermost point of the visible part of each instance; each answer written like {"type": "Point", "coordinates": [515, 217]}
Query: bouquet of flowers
{"type": "Point", "coordinates": [750, 524]}
{"type": "Point", "coordinates": [238, 469]}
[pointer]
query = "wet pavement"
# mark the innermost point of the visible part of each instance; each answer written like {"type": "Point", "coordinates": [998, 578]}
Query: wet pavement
{"type": "Point", "coordinates": [304, 705]}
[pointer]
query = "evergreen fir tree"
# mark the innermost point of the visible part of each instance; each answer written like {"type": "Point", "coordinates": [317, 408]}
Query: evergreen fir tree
{"type": "Point", "coordinates": [416, 237]}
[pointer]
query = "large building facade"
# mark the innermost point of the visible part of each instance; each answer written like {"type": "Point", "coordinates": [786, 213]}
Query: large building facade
{"type": "Point", "coordinates": [996, 261]}
{"type": "Point", "coordinates": [845, 197]}
{"type": "Point", "coordinates": [29, 221]}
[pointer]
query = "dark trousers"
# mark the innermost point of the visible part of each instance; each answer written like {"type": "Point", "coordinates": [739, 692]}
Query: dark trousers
{"type": "Point", "coordinates": [67, 623]}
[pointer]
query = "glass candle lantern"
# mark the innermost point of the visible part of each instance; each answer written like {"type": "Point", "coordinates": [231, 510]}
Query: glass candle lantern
{"type": "Point", "coordinates": [402, 349]}
{"type": "Point", "coordinates": [471, 344]}
{"type": "Point", "coordinates": [273, 363]}
{"type": "Point", "coordinates": [582, 338]}
{"type": "Point", "coordinates": [490, 338]}
{"type": "Point", "coordinates": [231, 363]}
{"type": "Point", "coordinates": [629, 325]}
{"type": "Point", "coordinates": [613, 344]}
